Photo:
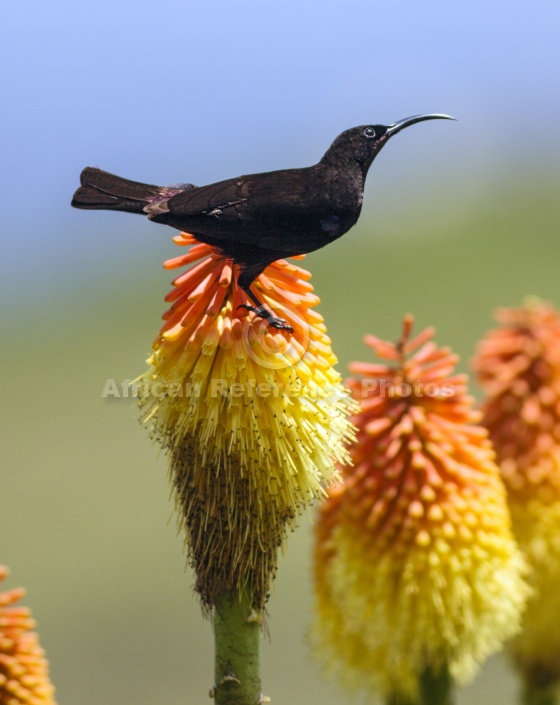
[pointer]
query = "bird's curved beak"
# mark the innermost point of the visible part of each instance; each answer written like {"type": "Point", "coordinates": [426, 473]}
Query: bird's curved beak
{"type": "Point", "coordinates": [407, 122]}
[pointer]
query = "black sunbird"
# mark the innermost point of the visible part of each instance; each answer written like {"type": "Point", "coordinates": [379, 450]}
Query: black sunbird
{"type": "Point", "coordinates": [258, 219]}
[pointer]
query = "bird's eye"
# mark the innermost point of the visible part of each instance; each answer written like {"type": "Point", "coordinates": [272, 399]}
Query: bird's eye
{"type": "Point", "coordinates": [369, 132]}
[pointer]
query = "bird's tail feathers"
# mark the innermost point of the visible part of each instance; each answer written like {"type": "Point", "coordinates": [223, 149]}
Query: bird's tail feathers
{"type": "Point", "coordinates": [102, 190]}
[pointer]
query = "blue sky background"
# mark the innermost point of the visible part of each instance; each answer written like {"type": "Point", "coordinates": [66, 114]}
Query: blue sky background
{"type": "Point", "coordinates": [182, 91]}
{"type": "Point", "coordinates": [458, 219]}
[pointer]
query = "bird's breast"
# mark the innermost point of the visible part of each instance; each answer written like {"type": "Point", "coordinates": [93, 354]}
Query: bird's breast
{"type": "Point", "coordinates": [331, 225]}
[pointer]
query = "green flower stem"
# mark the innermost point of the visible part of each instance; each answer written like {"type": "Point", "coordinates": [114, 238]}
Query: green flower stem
{"type": "Point", "coordinates": [237, 640]}
{"type": "Point", "coordinates": [436, 688]}
{"type": "Point", "coordinates": [534, 694]}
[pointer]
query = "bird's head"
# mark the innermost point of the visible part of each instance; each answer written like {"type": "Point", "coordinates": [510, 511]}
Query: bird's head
{"type": "Point", "coordinates": [362, 144]}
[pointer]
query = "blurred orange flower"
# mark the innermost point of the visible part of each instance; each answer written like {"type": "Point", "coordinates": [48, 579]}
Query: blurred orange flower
{"type": "Point", "coordinates": [416, 570]}
{"type": "Point", "coordinates": [518, 365]}
{"type": "Point", "coordinates": [24, 673]}
{"type": "Point", "coordinates": [254, 418]}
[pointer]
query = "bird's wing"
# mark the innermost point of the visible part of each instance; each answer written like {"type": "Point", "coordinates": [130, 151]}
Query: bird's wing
{"type": "Point", "coordinates": [256, 198]}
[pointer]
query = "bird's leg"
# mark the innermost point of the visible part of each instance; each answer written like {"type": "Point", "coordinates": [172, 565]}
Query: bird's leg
{"type": "Point", "coordinates": [272, 320]}
{"type": "Point", "coordinates": [245, 280]}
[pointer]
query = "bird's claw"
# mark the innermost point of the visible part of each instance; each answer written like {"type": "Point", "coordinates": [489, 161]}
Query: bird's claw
{"type": "Point", "coordinates": [280, 324]}
{"type": "Point", "coordinates": [272, 320]}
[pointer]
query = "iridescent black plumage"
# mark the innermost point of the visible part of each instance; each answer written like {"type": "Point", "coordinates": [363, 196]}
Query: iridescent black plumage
{"type": "Point", "coordinates": [260, 218]}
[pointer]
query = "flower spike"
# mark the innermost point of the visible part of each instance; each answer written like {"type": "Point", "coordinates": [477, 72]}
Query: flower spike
{"type": "Point", "coordinates": [253, 418]}
{"type": "Point", "coordinates": [416, 571]}
{"type": "Point", "coordinates": [24, 670]}
{"type": "Point", "coordinates": [518, 365]}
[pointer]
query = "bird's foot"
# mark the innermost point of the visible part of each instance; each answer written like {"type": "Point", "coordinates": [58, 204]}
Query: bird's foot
{"type": "Point", "coordinates": [272, 320]}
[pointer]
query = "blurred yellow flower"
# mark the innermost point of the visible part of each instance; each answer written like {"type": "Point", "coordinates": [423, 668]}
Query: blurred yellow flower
{"type": "Point", "coordinates": [518, 365]}
{"type": "Point", "coordinates": [416, 571]}
{"type": "Point", "coordinates": [253, 418]}
{"type": "Point", "coordinates": [24, 672]}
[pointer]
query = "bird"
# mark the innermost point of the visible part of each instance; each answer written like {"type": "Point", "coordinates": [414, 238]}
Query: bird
{"type": "Point", "coordinates": [257, 219]}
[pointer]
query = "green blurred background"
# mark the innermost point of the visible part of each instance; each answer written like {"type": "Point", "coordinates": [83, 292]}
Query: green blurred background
{"type": "Point", "coordinates": [459, 218]}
